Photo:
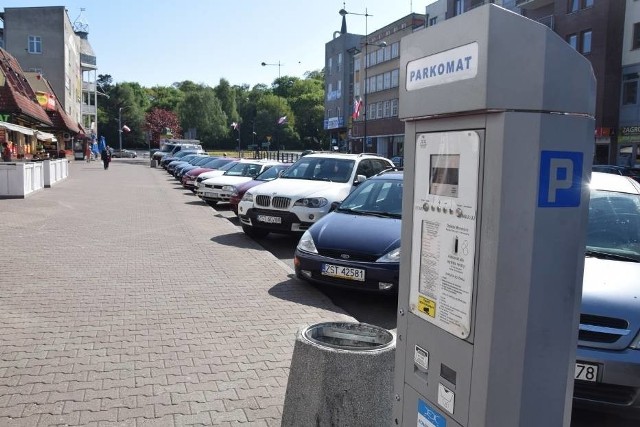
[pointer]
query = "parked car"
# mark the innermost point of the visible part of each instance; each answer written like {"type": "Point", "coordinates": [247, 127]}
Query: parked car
{"type": "Point", "coordinates": [183, 161]}
{"type": "Point", "coordinates": [268, 175]}
{"type": "Point", "coordinates": [219, 189]}
{"type": "Point", "coordinates": [169, 158]}
{"type": "Point", "coordinates": [618, 170]}
{"type": "Point", "coordinates": [608, 356]}
{"type": "Point", "coordinates": [201, 160]}
{"type": "Point", "coordinates": [398, 161]}
{"type": "Point", "coordinates": [305, 192]}
{"type": "Point", "coordinates": [189, 180]}
{"type": "Point", "coordinates": [358, 244]}
{"type": "Point", "coordinates": [124, 154]}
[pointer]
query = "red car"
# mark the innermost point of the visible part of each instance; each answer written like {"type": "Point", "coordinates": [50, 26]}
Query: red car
{"type": "Point", "coordinates": [268, 175]}
{"type": "Point", "coordinates": [189, 178]}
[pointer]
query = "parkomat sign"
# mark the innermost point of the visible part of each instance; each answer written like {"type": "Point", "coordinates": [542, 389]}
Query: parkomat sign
{"type": "Point", "coordinates": [452, 65]}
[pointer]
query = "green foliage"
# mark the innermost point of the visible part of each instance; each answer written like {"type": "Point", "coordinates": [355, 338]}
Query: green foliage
{"type": "Point", "coordinates": [210, 112]}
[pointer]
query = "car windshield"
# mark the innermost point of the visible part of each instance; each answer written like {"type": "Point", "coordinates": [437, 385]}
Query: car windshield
{"type": "Point", "coordinates": [202, 160]}
{"type": "Point", "coordinates": [272, 173]}
{"type": "Point", "coordinates": [167, 148]}
{"type": "Point", "coordinates": [379, 197]}
{"type": "Point", "coordinates": [228, 165]}
{"type": "Point", "coordinates": [221, 163]}
{"type": "Point", "coordinates": [614, 225]}
{"type": "Point", "coordinates": [321, 169]}
{"type": "Point", "coordinates": [244, 169]}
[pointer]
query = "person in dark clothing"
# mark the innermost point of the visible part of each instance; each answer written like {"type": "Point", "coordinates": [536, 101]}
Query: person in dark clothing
{"type": "Point", "coordinates": [106, 158]}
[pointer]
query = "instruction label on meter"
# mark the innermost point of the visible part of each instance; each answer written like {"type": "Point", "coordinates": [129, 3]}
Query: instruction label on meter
{"type": "Point", "coordinates": [444, 227]}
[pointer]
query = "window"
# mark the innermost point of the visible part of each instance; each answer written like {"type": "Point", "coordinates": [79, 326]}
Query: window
{"type": "Point", "coordinates": [339, 61]}
{"type": "Point", "coordinates": [387, 109]}
{"type": "Point", "coordinates": [585, 40]}
{"type": "Point", "coordinates": [379, 56]}
{"type": "Point", "coordinates": [395, 50]}
{"type": "Point", "coordinates": [330, 65]}
{"type": "Point", "coordinates": [387, 80]}
{"type": "Point", "coordinates": [574, 5]}
{"type": "Point", "coordinates": [433, 21]}
{"type": "Point", "coordinates": [387, 53]}
{"type": "Point", "coordinates": [379, 114]}
{"type": "Point", "coordinates": [572, 39]}
{"type": "Point", "coordinates": [587, 3]}
{"type": "Point", "coordinates": [371, 114]}
{"type": "Point", "coordinates": [394, 107]}
{"type": "Point", "coordinates": [630, 89]}
{"type": "Point", "coordinates": [380, 82]}
{"type": "Point", "coordinates": [458, 8]}
{"type": "Point", "coordinates": [395, 77]}
{"type": "Point", "coordinates": [636, 36]}
{"type": "Point", "coordinates": [35, 44]}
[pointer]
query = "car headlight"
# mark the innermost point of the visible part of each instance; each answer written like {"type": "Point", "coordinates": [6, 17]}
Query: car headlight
{"type": "Point", "coordinates": [312, 202]}
{"type": "Point", "coordinates": [391, 256]}
{"type": "Point", "coordinates": [635, 344]}
{"type": "Point", "coordinates": [306, 243]}
{"type": "Point", "coordinates": [248, 197]}
{"type": "Point", "coordinates": [228, 188]}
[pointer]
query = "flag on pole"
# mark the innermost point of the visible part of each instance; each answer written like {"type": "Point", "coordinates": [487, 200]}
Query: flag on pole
{"type": "Point", "coordinates": [357, 104]}
{"type": "Point", "coordinates": [282, 120]}
{"type": "Point", "coordinates": [234, 125]}
{"type": "Point", "coordinates": [126, 128]}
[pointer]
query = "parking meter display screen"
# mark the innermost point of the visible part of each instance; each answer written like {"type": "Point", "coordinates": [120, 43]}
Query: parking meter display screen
{"type": "Point", "coordinates": [445, 173]}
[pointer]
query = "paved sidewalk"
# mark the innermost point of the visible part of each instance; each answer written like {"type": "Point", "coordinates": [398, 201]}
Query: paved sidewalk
{"type": "Point", "coordinates": [126, 301]}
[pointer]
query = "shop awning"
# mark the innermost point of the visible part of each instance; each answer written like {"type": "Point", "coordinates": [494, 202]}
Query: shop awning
{"type": "Point", "coordinates": [45, 136]}
{"type": "Point", "coordinates": [17, 128]}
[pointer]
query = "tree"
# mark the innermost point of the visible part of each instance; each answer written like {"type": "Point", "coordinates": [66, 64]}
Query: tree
{"type": "Point", "coordinates": [157, 121]}
{"type": "Point", "coordinates": [164, 97]}
{"type": "Point", "coordinates": [202, 111]}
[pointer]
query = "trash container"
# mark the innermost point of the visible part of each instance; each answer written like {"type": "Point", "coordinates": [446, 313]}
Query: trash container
{"type": "Point", "coordinates": [154, 163]}
{"type": "Point", "coordinates": [341, 374]}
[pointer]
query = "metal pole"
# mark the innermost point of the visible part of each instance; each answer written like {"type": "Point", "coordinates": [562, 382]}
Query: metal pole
{"type": "Point", "coordinates": [366, 63]}
{"type": "Point", "coordinates": [120, 128]}
{"type": "Point", "coordinates": [238, 129]}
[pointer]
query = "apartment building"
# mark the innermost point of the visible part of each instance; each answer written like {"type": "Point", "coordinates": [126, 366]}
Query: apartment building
{"type": "Point", "coordinates": [45, 41]}
{"type": "Point", "coordinates": [628, 153]}
{"type": "Point", "coordinates": [361, 110]}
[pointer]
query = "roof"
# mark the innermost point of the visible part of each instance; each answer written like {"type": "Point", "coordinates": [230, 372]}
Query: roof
{"type": "Point", "coordinates": [59, 117]}
{"type": "Point", "coordinates": [16, 95]}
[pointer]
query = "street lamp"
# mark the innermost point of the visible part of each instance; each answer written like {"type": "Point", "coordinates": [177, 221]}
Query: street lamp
{"type": "Point", "coordinates": [264, 64]}
{"type": "Point", "coordinates": [366, 15]}
{"type": "Point", "coordinates": [120, 126]}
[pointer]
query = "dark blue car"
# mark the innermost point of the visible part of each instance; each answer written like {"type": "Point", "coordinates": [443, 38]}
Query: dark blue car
{"type": "Point", "coordinates": [358, 244]}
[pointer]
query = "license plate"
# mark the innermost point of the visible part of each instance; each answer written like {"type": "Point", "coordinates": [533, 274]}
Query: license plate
{"type": "Point", "coordinates": [586, 372]}
{"type": "Point", "coordinates": [269, 219]}
{"type": "Point", "coordinates": [341, 272]}
{"type": "Point", "coordinates": [210, 194]}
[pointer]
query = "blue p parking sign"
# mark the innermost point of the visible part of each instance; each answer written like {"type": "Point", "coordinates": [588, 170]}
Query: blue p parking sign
{"type": "Point", "coordinates": [560, 182]}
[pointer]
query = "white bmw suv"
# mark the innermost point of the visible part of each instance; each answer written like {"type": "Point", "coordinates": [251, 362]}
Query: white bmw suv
{"type": "Point", "coordinates": [304, 193]}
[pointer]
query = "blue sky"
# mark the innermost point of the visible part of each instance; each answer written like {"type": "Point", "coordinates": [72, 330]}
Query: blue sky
{"type": "Point", "coordinates": [159, 42]}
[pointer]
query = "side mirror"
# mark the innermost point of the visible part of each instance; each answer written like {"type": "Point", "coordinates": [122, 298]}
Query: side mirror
{"type": "Point", "coordinates": [334, 206]}
{"type": "Point", "coordinates": [359, 179]}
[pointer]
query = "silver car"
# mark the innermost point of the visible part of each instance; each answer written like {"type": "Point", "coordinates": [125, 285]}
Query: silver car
{"type": "Point", "coordinates": [608, 356]}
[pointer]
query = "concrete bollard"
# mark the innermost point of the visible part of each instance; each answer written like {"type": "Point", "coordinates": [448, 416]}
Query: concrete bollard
{"type": "Point", "coordinates": [341, 375]}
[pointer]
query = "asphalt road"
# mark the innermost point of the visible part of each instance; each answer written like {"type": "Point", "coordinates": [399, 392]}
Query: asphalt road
{"type": "Point", "coordinates": [380, 310]}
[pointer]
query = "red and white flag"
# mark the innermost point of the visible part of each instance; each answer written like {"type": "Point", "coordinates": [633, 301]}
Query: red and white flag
{"type": "Point", "coordinates": [234, 125]}
{"type": "Point", "coordinates": [126, 128]}
{"type": "Point", "coordinates": [282, 120]}
{"type": "Point", "coordinates": [357, 104]}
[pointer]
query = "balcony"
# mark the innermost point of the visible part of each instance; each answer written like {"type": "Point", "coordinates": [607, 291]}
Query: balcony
{"type": "Point", "coordinates": [89, 110]}
{"type": "Point", "coordinates": [533, 4]}
{"type": "Point", "coordinates": [88, 87]}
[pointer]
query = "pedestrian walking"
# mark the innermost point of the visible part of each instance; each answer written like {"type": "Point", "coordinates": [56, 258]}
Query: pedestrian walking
{"type": "Point", "coordinates": [106, 158]}
{"type": "Point", "coordinates": [6, 152]}
{"type": "Point", "coordinates": [87, 152]}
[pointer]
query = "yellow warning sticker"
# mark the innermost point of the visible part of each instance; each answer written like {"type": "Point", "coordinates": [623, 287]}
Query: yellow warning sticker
{"type": "Point", "coordinates": [427, 306]}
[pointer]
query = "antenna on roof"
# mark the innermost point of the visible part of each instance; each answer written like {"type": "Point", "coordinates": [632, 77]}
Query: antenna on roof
{"type": "Point", "coordinates": [80, 25]}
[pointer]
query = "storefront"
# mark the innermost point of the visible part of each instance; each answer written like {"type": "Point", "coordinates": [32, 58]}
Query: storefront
{"type": "Point", "coordinates": [629, 146]}
{"type": "Point", "coordinates": [21, 139]}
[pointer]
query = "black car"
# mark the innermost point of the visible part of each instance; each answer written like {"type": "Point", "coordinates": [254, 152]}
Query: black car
{"type": "Point", "coordinates": [357, 245]}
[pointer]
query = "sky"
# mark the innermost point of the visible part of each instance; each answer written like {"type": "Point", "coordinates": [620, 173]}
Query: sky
{"type": "Point", "coordinates": [160, 42]}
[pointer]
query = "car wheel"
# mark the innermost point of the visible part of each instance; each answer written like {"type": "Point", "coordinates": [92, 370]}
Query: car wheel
{"type": "Point", "coordinates": [254, 232]}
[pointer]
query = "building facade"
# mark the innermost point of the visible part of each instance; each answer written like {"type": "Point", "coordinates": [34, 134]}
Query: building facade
{"type": "Point", "coordinates": [629, 129]}
{"type": "Point", "coordinates": [365, 109]}
{"type": "Point", "coordinates": [45, 41]}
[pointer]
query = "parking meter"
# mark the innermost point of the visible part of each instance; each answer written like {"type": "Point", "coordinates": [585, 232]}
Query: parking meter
{"type": "Point", "coordinates": [498, 114]}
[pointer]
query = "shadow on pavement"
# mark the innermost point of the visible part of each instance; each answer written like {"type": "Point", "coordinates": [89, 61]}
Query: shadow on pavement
{"type": "Point", "coordinates": [238, 240]}
{"type": "Point", "coordinates": [300, 292]}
